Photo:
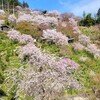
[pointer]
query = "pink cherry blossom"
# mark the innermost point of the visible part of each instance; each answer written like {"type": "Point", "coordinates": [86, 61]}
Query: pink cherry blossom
{"type": "Point", "coordinates": [57, 37]}
{"type": "Point", "coordinates": [12, 18]}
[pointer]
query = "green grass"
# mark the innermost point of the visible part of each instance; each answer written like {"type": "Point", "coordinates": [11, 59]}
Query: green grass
{"type": "Point", "coordinates": [83, 73]}
{"type": "Point", "coordinates": [9, 60]}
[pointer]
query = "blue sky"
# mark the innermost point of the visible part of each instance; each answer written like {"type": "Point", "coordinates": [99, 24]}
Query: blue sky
{"type": "Point", "coordinates": [75, 6]}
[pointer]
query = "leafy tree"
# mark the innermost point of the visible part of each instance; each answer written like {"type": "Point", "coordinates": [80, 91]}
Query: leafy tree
{"type": "Point", "coordinates": [88, 20]}
{"type": "Point", "coordinates": [25, 4]}
{"type": "Point", "coordinates": [98, 13]}
{"type": "Point", "coordinates": [11, 3]}
{"type": "Point", "coordinates": [98, 20]}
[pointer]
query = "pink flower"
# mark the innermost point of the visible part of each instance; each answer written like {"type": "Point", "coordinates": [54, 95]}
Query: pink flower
{"type": "Point", "coordinates": [74, 26]}
{"type": "Point", "coordinates": [12, 18]}
{"type": "Point", "coordinates": [78, 46]}
{"type": "Point", "coordinates": [57, 37]}
{"type": "Point", "coordinates": [68, 63]}
{"type": "Point", "coordinates": [22, 39]}
{"type": "Point", "coordinates": [91, 48]}
{"type": "Point", "coordinates": [83, 39]}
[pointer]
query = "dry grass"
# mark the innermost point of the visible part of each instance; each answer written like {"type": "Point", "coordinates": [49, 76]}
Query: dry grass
{"type": "Point", "coordinates": [28, 28]}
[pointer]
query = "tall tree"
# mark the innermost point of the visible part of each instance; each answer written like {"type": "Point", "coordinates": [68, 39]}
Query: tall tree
{"type": "Point", "coordinates": [25, 4]}
{"type": "Point", "coordinates": [84, 14]}
{"type": "Point", "coordinates": [98, 13]}
{"type": "Point", "coordinates": [88, 20]}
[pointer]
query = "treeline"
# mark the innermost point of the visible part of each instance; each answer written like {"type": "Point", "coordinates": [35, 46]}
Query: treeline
{"type": "Point", "coordinates": [88, 20]}
{"type": "Point", "coordinates": [11, 3]}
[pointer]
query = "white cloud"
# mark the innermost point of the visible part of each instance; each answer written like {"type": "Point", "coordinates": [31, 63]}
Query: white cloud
{"type": "Point", "coordinates": [83, 5]}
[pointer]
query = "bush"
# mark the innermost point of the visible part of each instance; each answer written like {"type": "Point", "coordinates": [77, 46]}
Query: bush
{"type": "Point", "coordinates": [93, 32]}
{"type": "Point", "coordinates": [67, 31]}
{"type": "Point", "coordinates": [28, 28]}
{"type": "Point", "coordinates": [2, 18]}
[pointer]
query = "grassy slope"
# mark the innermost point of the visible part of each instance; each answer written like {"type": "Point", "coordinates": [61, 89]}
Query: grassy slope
{"type": "Point", "coordinates": [9, 60]}
{"type": "Point", "coordinates": [83, 73]}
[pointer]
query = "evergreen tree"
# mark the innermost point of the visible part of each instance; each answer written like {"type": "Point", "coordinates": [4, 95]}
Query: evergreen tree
{"type": "Point", "coordinates": [84, 14]}
{"type": "Point", "coordinates": [98, 20]}
{"type": "Point", "coordinates": [25, 4]}
{"type": "Point", "coordinates": [88, 20]}
{"type": "Point", "coordinates": [98, 13]}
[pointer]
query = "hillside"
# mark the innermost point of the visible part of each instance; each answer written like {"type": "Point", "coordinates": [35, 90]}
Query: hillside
{"type": "Point", "coordinates": [45, 57]}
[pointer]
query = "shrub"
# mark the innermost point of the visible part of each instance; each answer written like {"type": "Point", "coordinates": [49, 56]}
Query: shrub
{"type": "Point", "coordinates": [54, 13]}
{"type": "Point", "coordinates": [92, 49]}
{"type": "Point", "coordinates": [2, 18]}
{"type": "Point", "coordinates": [24, 17]}
{"type": "Point", "coordinates": [17, 37]}
{"type": "Point", "coordinates": [78, 47]}
{"type": "Point", "coordinates": [64, 51]}
{"type": "Point", "coordinates": [71, 29]}
{"type": "Point", "coordinates": [28, 28]}
{"type": "Point", "coordinates": [66, 16]}
{"type": "Point", "coordinates": [40, 19]}
{"type": "Point", "coordinates": [12, 18]}
{"type": "Point", "coordinates": [83, 39]}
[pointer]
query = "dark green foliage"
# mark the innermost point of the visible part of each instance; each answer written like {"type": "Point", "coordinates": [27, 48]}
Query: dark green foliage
{"type": "Point", "coordinates": [98, 20]}
{"type": "Point", "coordinates": [84, 14]}
{"type": "Point", "coordinates": [25, 4]}
{"type": "Point", "coordinates": [1, 78]}
{"type": "Point", "coordinates": [98, 13]}
{"type": "Point", "coordinates": [44, 12]}
{"type": "Point", "coordinates": [2, 93]}
{"type": "Point", "coordinates": [98, 16]}
{"type": "Point", "coordinates": [88, 20]}
{"type": "Point", "coordinates": [12, 3]}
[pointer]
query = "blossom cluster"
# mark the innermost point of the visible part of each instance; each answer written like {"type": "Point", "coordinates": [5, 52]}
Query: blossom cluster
{"type": "Point", "coordinates": [78, 47]}
{"type": "Point", "coordinates": [74, 26]}
{"type": "Point", "coordinates": [47, 76]}
{"type": "Point", "coordinates": [40, 19]}
{"type": "Point", "coordinates": [18, 8]}
{"type": "Point", "coordinates": [24, 17]}
{"type": "Point", "coordinates": [57, 37]}
{"type": "Point", "coordinates": [12, 18]}
{"type": "Point", "coordinates": [45, 79]}
{"type": "Point", "coordinates": [53, 13]}
{"type": "Point", "coordinates": [2, 22]}
{"type": "Point", "coordinates": [16, 36]}
{"type": "Point", "coordinates": [37, 19]}
{"type": "Point", "coordinates": [2, 13]}
{"type": "Point", "coordinates": [83, 39]}
{"type": "Point", "coordinates": [68, 64]}
{"type": "Point", "coordinates": [83, 59]}
{"type": "Point", "coordinates": [91, 48]}
{"type": "Point", "coordinates": [35, 13]}
{"type": "Point", "coordinates": [45, 85]}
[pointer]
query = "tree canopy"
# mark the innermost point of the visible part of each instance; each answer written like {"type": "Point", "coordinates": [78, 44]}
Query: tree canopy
{"type": "Point", "coordinates": [14, 2]}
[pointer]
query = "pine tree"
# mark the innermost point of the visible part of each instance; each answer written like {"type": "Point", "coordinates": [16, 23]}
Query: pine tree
{"type": "Point", "coordinates": [98, 13]}
{"type": "Point", "coordinates": [25, 4]}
